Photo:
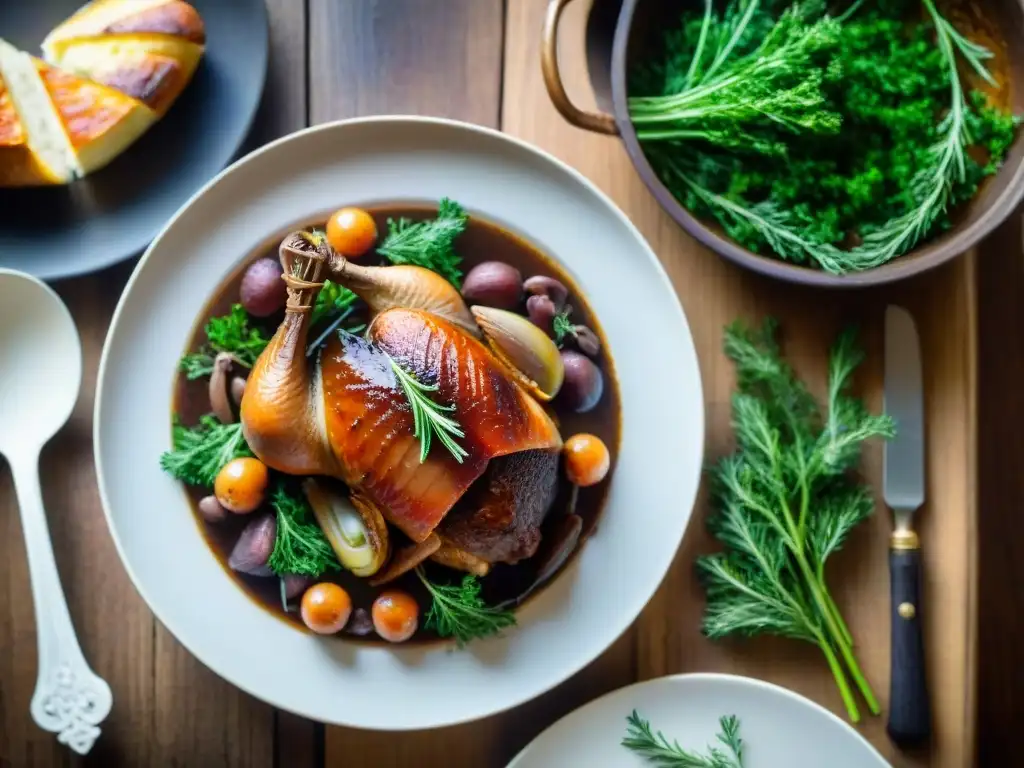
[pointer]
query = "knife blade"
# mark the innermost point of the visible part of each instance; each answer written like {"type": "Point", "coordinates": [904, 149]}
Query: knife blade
{"type": "Point", "coordinates": [909, 722]}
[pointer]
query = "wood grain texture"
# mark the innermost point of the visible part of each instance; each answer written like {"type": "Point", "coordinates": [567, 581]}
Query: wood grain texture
{"type": "Point", "coordinates": [419, 57]}
{"type": "Point", "coordinates": [666, 637]}
{"type": "Point", "coordinates": [1001, 486]}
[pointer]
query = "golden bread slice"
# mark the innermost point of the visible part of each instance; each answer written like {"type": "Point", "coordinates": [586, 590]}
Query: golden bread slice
{"type": "Point", "coordinates": [174, 18]}
{"type": "Point", "coordinates": [151, 68]}
{"type": "Point", "coordinates": [100, 122]}
{"type": "Point", "coordinates": [37, 150]}
{"type": "Point", "coordinates": [59, 127]}
{"type": "Point", "coordinates": [19, 165]}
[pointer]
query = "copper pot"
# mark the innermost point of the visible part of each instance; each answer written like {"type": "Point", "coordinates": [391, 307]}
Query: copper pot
{"type": "Point", "coordinates": [638, 31]}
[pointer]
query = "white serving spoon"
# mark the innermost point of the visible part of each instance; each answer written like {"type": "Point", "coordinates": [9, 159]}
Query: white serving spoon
{"type": "Point", "coordinates": [40, 375]}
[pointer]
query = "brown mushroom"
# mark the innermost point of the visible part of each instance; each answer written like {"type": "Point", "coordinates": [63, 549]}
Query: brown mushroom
{"type": "Point", "coordinates": [220, 401]}
{"type": "Point", "coordinates": [237, 390]}
{"type": "Point", "coordinates": [406, 559]}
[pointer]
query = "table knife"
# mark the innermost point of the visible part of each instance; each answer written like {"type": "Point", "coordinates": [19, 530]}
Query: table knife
{"type": "Point", "coordinates": [904, 476]}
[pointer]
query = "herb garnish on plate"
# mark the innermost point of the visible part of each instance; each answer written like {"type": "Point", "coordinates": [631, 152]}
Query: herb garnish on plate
{"type": "Point", "coordinates": [199, 452]}
{"type": "Point", "coordinates": [427, 416]}
{"type": "Point", "coordinates": [786, 500]}
{"type": "Point", "coordinates": [300, 546]}
{"type": "Point", "coordinates": [428, 243]}
{"type": "Point", "coordinates": [230, 333]}
{"type": "Point", "coordinates": [458, 611]}
{"type": "Point", "coordinates": [658, 750]}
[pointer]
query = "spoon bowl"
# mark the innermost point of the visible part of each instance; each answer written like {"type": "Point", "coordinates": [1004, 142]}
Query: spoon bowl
{"type": "Point", "coordinates": [40, 363]}
{"type": "Point", "coordinates": [40, 375]}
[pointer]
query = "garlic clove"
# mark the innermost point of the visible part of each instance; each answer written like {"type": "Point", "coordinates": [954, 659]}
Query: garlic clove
{"type": "Point", "coordinates": [525, 350]}
{"type": "Point", "coordinates": [354, 527]}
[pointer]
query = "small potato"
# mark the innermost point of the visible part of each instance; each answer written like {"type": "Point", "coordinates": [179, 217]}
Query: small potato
{"type": "Point", "coordinates": [586, 459]}
{"type": "Point", "coordinates": [262, 291]}
{"type": "Point", "coordinates": [493, 284]}
{"type": "Point", "coordinates": [325, 608]}
{"type": "Point", "coordinates": [241, 485]}
{"type": "Point", "coordinates": [210, 509]}
{"type": "Point", "coordinates": [583, 384]}
{"type": "Point", "coordinates": [395, 616]}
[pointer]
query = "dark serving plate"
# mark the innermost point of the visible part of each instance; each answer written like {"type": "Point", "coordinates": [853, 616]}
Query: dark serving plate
{"type": "Point", "coordinates": [111, 215]}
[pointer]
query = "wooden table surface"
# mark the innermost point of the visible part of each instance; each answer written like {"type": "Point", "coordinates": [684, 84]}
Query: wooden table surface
{"type": "Point", "coordinates": [477, 60]}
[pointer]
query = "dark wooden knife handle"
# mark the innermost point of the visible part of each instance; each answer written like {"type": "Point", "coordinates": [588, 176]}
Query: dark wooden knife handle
{"type": "Point", "coordinates": [909, 712]}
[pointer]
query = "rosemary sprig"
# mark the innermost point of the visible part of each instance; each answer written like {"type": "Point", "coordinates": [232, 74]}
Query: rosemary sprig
{"type": "Point", "coordinates": [429, 417]}
{"type": "Point", "coordinates": [658, 750]}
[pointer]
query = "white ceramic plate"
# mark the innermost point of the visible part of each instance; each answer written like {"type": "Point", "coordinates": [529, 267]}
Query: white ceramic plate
{"type": "Point", "coordinates": [374, 161]}
{"type": "Point", "coordinates": [779, 728]}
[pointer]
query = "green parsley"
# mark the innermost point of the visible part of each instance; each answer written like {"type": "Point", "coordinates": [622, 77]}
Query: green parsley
{"type": "Point", "coordinates": [787, 499]}
{"type": "Point", "coordinates": [300, 546]}
{"type": "Point", "coordinates": [457, 611]}
{"type": "Point", "coordinates": [428, 243]}
{"type": "Point", "coordinates": [428, 417]}
{"type": "Point", "coordinates": [562, 326]}
{"type": "Point", "coordinates": [228, 333]}
{"type": "Point", "coordinates": [658, 750]}
{"type": "Point", "coordinates": [333, 299]}
{"type": "Point", "coordinates": [199, 452]}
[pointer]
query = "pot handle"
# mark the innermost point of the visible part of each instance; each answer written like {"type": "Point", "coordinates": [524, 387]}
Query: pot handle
{"type": "Point", "coordinates": [598, 122]}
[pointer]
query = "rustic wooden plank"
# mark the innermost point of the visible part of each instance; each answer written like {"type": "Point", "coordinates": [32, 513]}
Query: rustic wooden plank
{"type": "Point", "coordinates": [1001, 487]}
{"type": "Point", "coordinates": [666, 637]}
{"type": "Point", "coordinates": [407, 57]}
{"type": "Point", "coordinates": [206, 721]}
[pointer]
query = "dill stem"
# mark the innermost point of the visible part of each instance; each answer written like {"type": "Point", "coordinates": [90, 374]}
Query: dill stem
{"type": "Point", "coordinates": [843, 627]}
{"type": "Point", "coordinates": [826, 608]}
{"type": "Point", "coordinates": [837, 673]}
{"type": "Point", "coordinates": [837, 634]}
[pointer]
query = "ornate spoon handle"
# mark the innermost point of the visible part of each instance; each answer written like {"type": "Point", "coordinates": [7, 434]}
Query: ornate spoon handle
{"type": "Point", "coordinates": [69, 700]}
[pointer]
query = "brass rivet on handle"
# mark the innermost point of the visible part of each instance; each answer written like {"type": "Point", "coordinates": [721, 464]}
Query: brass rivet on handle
{"type": "Point", "coordinates": [906, 610]}
{"type": "Point", "coordinates": [904, 540]}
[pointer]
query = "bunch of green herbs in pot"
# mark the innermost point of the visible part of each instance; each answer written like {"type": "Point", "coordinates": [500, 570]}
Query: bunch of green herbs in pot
{"type": "Point", "coordinates": [786, 500]}
{"type": "Point", "coordinates": [835, 143]}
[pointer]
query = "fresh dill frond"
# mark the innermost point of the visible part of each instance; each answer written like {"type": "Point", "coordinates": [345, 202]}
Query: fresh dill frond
{"type": "Point", "coordinates": [786, 500]}
{"type": "Point", "coordinates": [428, 417]}
{"type": "Point", "coordinates": [199, 452]}
{"type": "Point", "coordinates": [428, 243]}
{"type": "Point", "coordinates": [300, 546]}
{"type": "Point", "coordinates": [228, 333]}
{"type": "Point", "coordinates": [458, 611]}
{"type": "Point", "coordinates": [656, 749]}
{"type": "Point", "coordinates": [750, 85]}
